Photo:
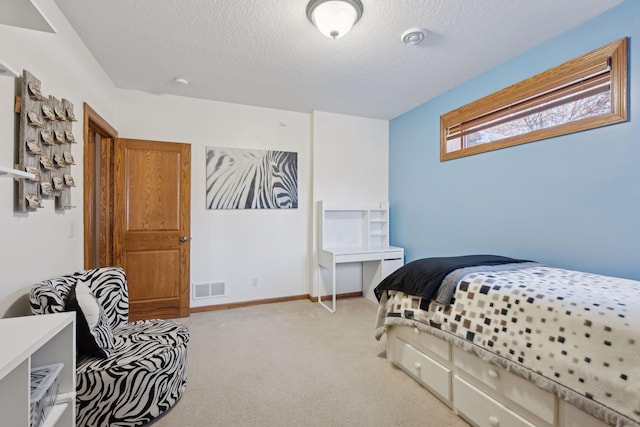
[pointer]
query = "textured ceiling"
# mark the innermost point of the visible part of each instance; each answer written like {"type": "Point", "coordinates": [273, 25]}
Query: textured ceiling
{"type": "Point", "coordinates": [266, 53]}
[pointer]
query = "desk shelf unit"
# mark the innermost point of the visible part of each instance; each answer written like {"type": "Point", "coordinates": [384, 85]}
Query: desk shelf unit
{"type": "Point", "coordinates": [356, 234]}
{"type": "Point", "coordinates": [30, 342]}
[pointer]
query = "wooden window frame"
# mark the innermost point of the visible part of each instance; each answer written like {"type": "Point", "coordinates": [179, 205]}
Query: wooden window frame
{"type": "Point", "coordinates": [614, 54]}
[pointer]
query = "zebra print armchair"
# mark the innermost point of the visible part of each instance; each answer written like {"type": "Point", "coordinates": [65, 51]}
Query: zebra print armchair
{"type": "Point", "coordinates": [144, 374]}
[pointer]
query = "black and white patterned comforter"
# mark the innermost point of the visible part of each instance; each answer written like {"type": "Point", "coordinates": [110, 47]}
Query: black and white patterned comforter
{"type": "Point", "coordinates": [575, 334]}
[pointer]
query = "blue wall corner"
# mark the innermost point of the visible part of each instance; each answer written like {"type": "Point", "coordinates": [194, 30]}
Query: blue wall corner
{"type": "Point", "coordinates": [570, 202]}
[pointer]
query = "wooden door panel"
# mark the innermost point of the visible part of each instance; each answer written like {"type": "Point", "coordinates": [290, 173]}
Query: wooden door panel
{"type": "Point", "coordinates": [140, 240]}
{"type": "Point", "coordinates": [157, 309]}
{"type": "Point", "coordinates": [147, 275]}
{"type": "Point", "coordinates": [152, 192]}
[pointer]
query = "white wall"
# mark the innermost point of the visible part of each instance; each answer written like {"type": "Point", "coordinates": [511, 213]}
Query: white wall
{"type": "Point", "coordinates": [350, 169]}
{"type": "Point", "coordinates": [350, 159]}
{"type": "Point", "coordinates": [234, 246]}
{"type": "Point", "coordinates": [38, 245]}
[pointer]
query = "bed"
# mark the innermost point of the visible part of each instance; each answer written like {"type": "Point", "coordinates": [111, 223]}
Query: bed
{"type": "Point", "coordinates": [510, 342]}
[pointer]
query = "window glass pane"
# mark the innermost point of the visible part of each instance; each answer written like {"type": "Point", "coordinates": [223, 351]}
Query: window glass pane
{"type": "Point", "coordinates": [567, 112]}
{"type": "Point", "coordinates": [454, 144]}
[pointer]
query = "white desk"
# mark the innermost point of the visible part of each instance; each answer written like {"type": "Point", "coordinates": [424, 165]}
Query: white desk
{"type": "Point", "coordinates": [377, 263]}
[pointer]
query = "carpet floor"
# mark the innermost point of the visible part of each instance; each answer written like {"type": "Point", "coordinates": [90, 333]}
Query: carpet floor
{"type": "Point", "coordinates": [296, 364]}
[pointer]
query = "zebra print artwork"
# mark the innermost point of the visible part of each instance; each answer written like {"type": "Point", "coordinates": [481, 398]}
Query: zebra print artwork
{"type": "Point", "coordinates": [251, 179]}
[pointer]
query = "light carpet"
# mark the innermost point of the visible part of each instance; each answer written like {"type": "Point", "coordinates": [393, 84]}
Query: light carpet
{"type": "Point", "coordinates": [296, 364]}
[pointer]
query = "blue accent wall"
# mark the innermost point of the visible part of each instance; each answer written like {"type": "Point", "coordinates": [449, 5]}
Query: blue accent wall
{"type": "Point", "coordinates": [571, 202]}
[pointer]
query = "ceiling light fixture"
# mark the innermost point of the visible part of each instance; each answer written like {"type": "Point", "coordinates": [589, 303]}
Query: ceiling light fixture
{"type": "Point", "coordinates": [334, 18]}
{"type": "Point", "coordinates": [181, 81]}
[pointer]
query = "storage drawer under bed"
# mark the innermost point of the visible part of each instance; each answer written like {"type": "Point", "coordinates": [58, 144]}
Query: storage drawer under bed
{"type": "Point", "coordinates": [423, 368]}
{"type": "Point", "coordinates": [520, 391]}
{"type": "Point", "coordinates": [484, 411]}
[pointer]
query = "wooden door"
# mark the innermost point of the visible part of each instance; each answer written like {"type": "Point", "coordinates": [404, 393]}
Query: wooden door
{"type": "Point", "coordinates": [152, 201]}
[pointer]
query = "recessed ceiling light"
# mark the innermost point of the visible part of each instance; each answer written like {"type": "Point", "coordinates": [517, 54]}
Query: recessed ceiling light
{"type": "Point", "coordinates": [181, 81]}
{"type": "Point", "coordinates": [413, 36]}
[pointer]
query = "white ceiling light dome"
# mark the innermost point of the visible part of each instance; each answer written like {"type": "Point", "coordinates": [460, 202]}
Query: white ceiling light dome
{"type": "Point", "coordinates": [334, 18]}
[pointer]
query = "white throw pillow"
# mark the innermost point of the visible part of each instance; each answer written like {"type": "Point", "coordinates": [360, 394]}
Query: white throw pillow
{"type": "Point", "coordinates": [89, 304]}
{"type": "Point", "coordinates": [94, 336]}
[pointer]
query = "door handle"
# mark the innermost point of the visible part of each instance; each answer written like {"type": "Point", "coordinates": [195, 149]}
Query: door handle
{"type": "Point", "coordinates": [184, 239]}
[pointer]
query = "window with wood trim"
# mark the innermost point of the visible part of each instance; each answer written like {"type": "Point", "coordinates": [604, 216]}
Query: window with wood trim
{"type": "Point", "coordinates": [584, 93]}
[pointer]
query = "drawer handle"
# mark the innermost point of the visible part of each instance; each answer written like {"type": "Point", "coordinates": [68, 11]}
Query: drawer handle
{"type": "Point", "coordinates": [417, 366]}
{"type": "Point", "coordinates": [495, 422]}
{"type": "Point", "coordinates": [493, 373]}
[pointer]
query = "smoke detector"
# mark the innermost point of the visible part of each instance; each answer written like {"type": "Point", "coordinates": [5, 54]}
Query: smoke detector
{"type": "Point", "coordinates": [413, 36]}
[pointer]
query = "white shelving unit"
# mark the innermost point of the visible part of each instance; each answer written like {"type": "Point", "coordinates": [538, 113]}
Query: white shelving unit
{"type": "Point", "coordinates": [6, 70]}
{"type": "Point", "coordinates": [33, 341]}
{"type": "Point", "coordinates": [378, 220]}
{"type": "Point", "coordinates": [15, 173]}
{"type": "Point", "coordinates": [356, 234]}
{"type": "Point", "coordinates": [25, 14]}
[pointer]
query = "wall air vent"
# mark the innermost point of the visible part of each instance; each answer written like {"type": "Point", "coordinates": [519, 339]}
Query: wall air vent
{"type": "Point", "coordinates": [208, 290]}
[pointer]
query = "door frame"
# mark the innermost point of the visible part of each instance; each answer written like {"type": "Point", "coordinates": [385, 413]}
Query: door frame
{"type": "Point", "coordinates": [97, 188]}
